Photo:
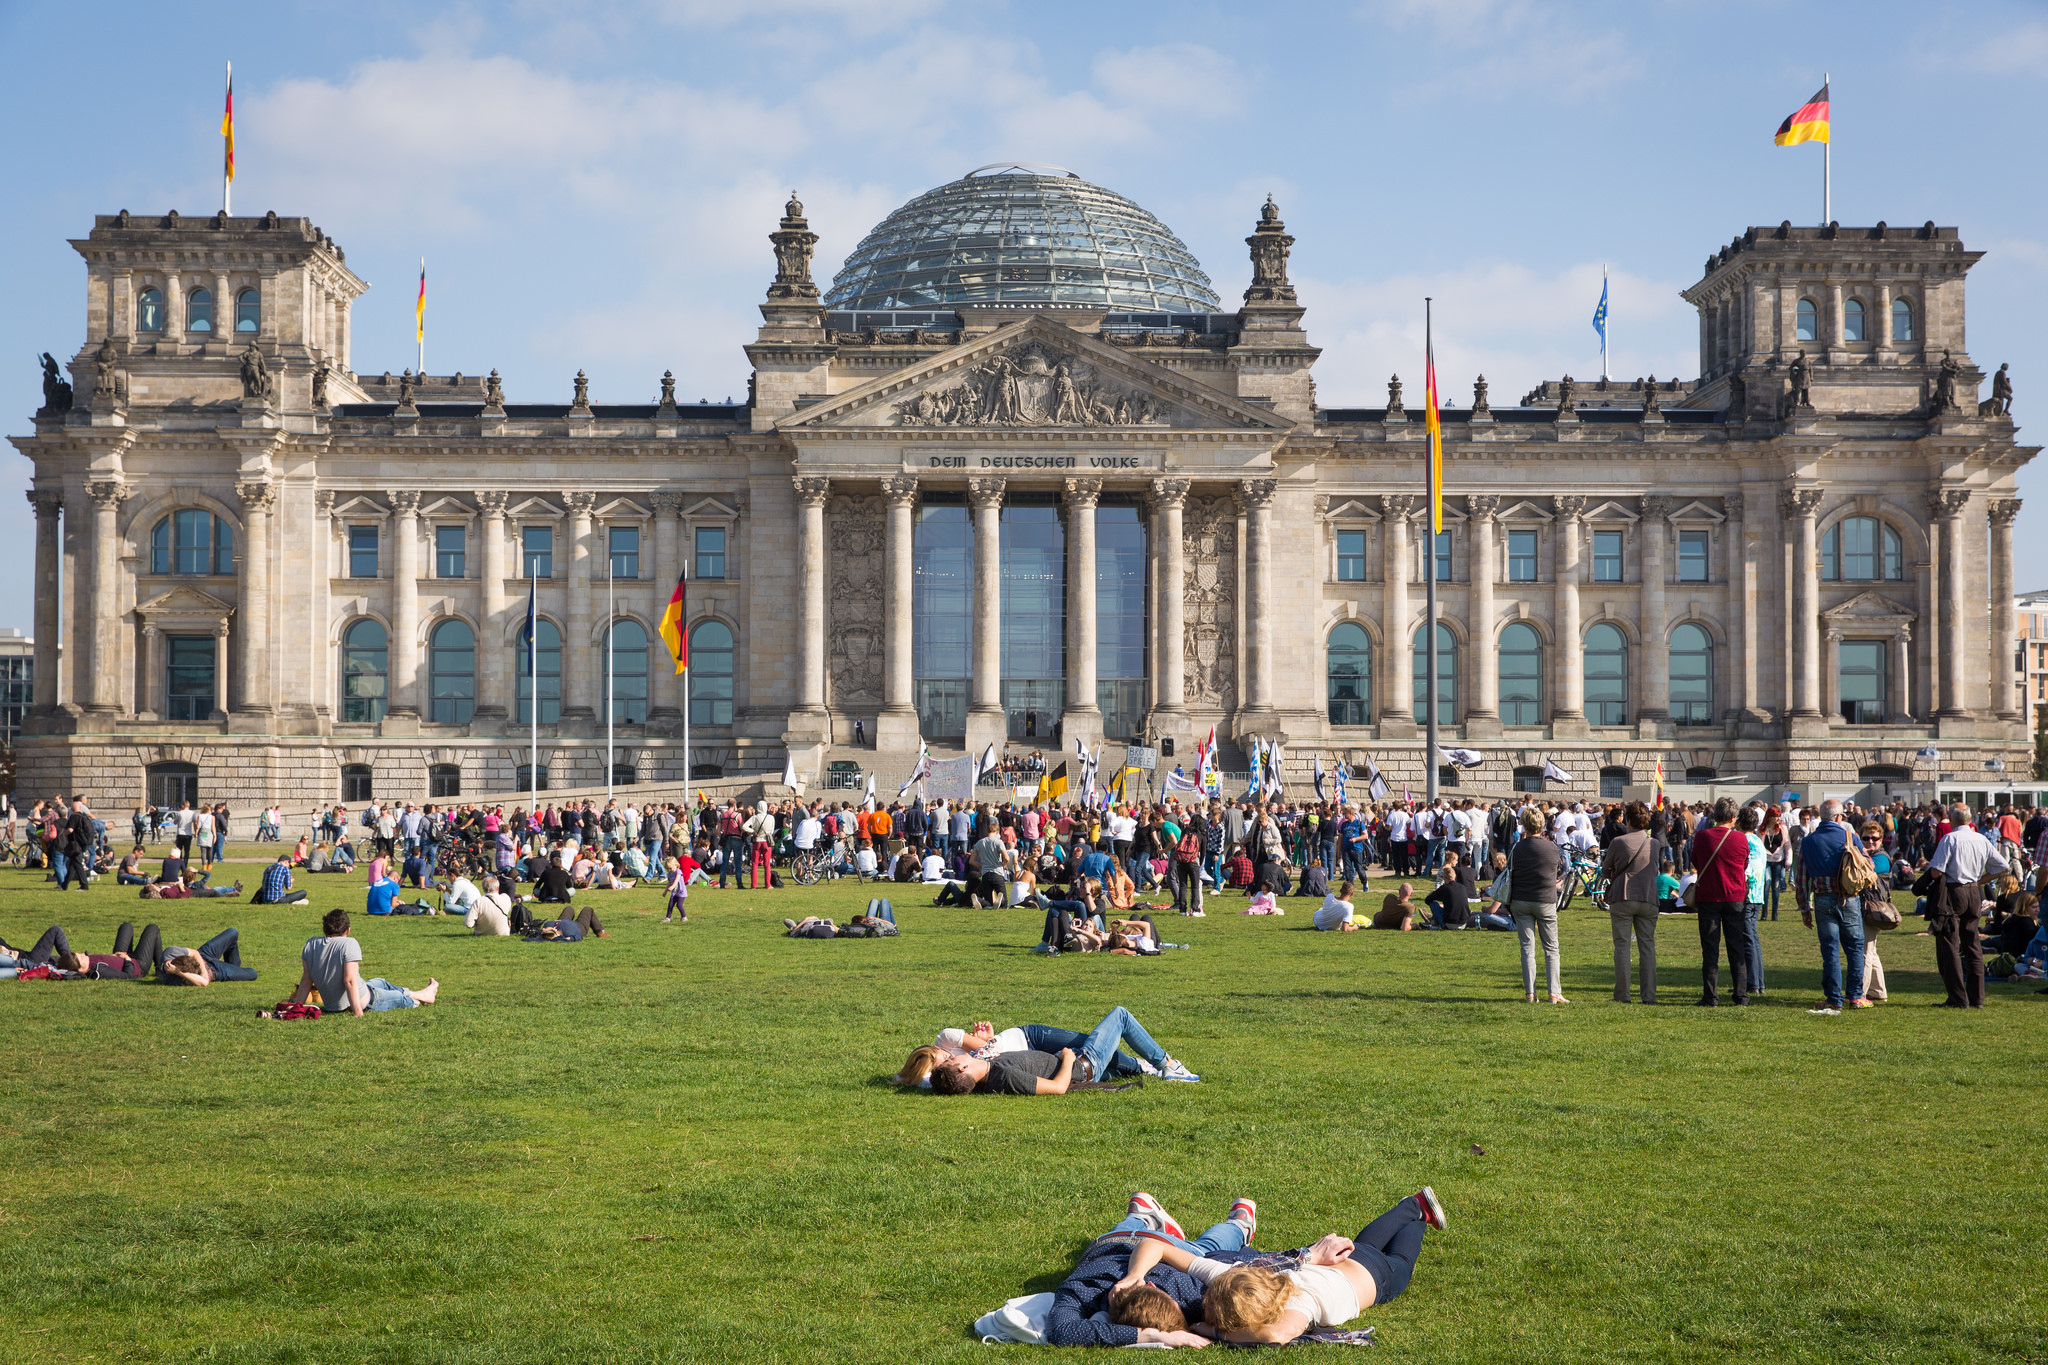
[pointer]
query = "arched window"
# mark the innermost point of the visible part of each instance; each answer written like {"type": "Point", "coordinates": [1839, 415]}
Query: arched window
{"type": "Point", "coordinates": [1860, 549]}
{"type": "Point", "coordinates": [625, 673]}
{"type": "Point", "coordinates": [1692, 676]}
{"type": "Point", "coordinates": [248, 310]}
{"type": "Point", "coordinates": [192, 541]}
{"type": "Point", "coordinates": [1606, 675]}
{"type": "Point", "coordinates": [444, 781]}
{"type": "Point", "coordinates": [1350, 675]}
{"type": "Point", "coordinates": [365, 671]}
{"type": "Point", "coordinates": [356, 783]}
{"type": "Point", "coordinates": [1902, 320]}
{"type": "Point", "coordinates": [711, 674]}
{"type": "Point", "coordinates": [149, 311]}
{"type": "Point", "coordinates": [547, 643]}
{"type": "Point", "coordinates": [1809, 321]}
{"type": "Point", "coordinates": [1446, 676]}
{"type": "Point", "coordinates": [1884, 772]}
{"type": "Point", "coordinates": [199, 311]}
{"type": "Point", "coordinates": [451, 673]}
{"type": "Point", "coordinates": [1521, 675]}
{"type": "Point", "coordinates": [1852, 320]}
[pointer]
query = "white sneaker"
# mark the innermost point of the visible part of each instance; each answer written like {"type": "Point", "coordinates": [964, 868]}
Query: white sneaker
{"type": "Point", "coordinates": [1147, 1068]}
{"type": "Point", "coordinates": [1824, 1010]}
{"type": "Point", "coordinates": [1174, 1071]}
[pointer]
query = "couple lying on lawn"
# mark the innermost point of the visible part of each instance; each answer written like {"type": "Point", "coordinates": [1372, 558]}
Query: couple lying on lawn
{"type": "Point", "coordinates": [1144, 1281]}
{"type": "Point", "coordinates": [1038, 1059]}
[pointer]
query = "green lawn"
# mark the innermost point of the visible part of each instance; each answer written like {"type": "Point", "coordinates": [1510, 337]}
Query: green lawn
{"type": "Point", "coordinates": [676, 1144]}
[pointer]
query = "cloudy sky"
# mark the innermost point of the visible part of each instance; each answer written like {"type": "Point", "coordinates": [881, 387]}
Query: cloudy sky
{"type": "Point", "coordinates": [592, 184]}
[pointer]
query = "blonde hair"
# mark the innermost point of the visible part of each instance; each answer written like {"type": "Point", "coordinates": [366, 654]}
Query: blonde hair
{"type": "Point", "coordinates": [1532, 821]}
{"type": "Point", "coordinates": [922, 1059]}
{"type": "Point", "coordinates": [1244, 1298]}
{"type": "Point", "coordinates": [1147, 1305]}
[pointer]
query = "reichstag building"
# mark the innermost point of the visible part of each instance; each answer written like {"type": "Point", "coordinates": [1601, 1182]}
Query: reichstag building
{"type": "Point", "coordinates": [1016, 474]}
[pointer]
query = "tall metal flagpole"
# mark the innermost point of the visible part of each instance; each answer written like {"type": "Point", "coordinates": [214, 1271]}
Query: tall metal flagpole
{"type": "Point", "coordinates": [533, 684]}
{"type": "Point", "coordinates": [611, 682]}
{"type": "Point", "coordinates": [683, 633]}
{"type": "Point", "coordinates": [1606, 321]}
{"type": "Point", "coordinates": [1429, 580]}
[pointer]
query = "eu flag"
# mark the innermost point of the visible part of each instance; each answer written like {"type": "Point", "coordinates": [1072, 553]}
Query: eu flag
{"type": "Point", "coordinates": [1600, 313]}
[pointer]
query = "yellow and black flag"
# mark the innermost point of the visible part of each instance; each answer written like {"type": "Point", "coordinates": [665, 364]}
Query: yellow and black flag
{"type": "Point", "coordinates": [1056, 785]}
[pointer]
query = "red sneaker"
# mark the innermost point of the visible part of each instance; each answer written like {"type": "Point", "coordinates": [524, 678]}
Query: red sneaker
{"type": "Point", "coordinates": [1146, 1204]}
{"type": "Point", "coordinates": [1246, 1212]}
{"type": "Point", "coordinates": [1432, 1210]}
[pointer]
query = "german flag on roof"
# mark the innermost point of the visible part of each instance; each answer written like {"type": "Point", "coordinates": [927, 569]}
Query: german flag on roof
{"type": "Point", "coordinates": [1810, 124]}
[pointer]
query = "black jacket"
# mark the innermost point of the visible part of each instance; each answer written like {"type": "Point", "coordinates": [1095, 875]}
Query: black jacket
{"type": "Point", "coordinates": [78, 833]}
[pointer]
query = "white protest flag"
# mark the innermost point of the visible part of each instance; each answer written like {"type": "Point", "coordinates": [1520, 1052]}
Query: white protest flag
{"type": "Point", "coordinates": [1553, 773]}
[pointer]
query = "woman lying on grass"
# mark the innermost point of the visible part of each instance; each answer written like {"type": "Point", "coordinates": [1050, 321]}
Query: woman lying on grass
{"type": "Point", "coordinates": [981, 1040]}
{"type": "Point", "coordinates": [1337, 1280]}
{"type": "Point", "coordinates": [1045, 1072]}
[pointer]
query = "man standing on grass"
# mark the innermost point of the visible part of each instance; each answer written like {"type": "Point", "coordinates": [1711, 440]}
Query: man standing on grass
{"type": "Point", "coordinates": [1839, 917]}
{"type": "Point", "coordinates": [76, 847]}
{"type": "Point", "coordinates": [1964, 859]}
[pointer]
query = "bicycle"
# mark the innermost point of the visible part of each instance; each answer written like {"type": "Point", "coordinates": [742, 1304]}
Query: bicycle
{"type": "Point", "coordinates": [1584, 876]}
{"type": "Point", "coordinates": [807, 868]}
{"type": "Point", "coordinates": [13, 853]}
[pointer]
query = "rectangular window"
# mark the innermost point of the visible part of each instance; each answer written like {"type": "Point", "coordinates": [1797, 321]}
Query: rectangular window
{"type": "Point", "coordinates": [1443, 556]}
{"type": "Point", "coordinates": [1692, 556]}
{"type": "Point", "coordinates": [188, 677]}
{"type": "Point", "coordinates": [1607, 556]}
{"type": "Point", "coordinates": [1861, 681]}
{"type": "Point", "coordinates": [537, 552]}
{"type": "Point", "coordinates": [1521, 556]}
{"type": "Point", "coordinates": [710, 552]}
{"type": "Point", "coordinates": [1351, 556]}
{"type": "Point", "coordinates": [362, 552]}
{"type": "Point", "coordinates": [625, 548]}
{"type": "Point", "coordinates": [450, 545]}
{"type": "Point", "coordinates": [17, 692]}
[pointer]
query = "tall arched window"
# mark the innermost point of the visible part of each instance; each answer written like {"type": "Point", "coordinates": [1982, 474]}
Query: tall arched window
{"type": "Point", "coordinates": [248, 310]}
{"type": "Point", "coordinates": [1902, 320]}
{"type": "Point", "coordinates": [149, 311]}
{"type": "Point", "coordinates": [1446, 676]}
{"type": "Point", "coordinates": [711, 674]}
{"type": "Point", "coordinates": [1852, 320]}
{"type": "Point", "coordinates": [1809, 320]}
{"type": "Point", "coordinates": [1350, 675]}
{"type": "Point", "coordinates": [1860, 549]}
{"type": "Point", "coordinates": [1692, 676]}
{"type": "Point", "coordinates": [1521, 675]}
{"type": "Point", "coordinates": [625, 673]}
{"type": "Point", "coordinates": [1606, 675]}
{"type": "Point", "coordinates": [192, 541]}
{"type": "Point", "coordinates": [199, 311]}
{"type": "Point", "coordinates": [451, 673]}
{"type": "Point", "coordinates": [365, 671]}
{"type": "Point", "coordinates": [547, 643]}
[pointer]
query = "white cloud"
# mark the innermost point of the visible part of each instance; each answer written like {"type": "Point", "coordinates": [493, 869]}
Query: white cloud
{"type": "Point", "coordinates": [1513, 47]}
{"type": "Point", "coordinates": [2021, 50]}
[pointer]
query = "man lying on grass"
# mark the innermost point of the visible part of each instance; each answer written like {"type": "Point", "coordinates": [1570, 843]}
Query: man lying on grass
{"type": "Point", "coordinates": [332, 968]}
{"type": "Point", "coordinates": [1033, 1072]}
{"type": "Point", "coordinates": [130, 958]}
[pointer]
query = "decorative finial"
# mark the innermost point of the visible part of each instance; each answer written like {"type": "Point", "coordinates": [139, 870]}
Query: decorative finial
{"type": "Point", "coordinates": [793, 242]}
{"type": "Point", "coordinates": [1269, 243]}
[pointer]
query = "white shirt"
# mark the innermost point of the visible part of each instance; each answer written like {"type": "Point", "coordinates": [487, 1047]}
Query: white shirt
{"type": "Point", "coordinates": [202, 826]}
{"type": "Point", "coordinates": [1397, 826]}
{"type": "Point", "coordinates": [1965, 857]}
{"type": "Point", "coordinates": [490, 917]}
{"type": "Point", "coordinates": [934, 869]}
{"type": "Point", "coordinates": [1122, 828]}
{"type": "Point", "coordinates": [461, 896]}
{"type": "Point", "coordinates": [807, 831]}
{"type": "Point", "coordinates": [1333, 913]}
{"type": "Point", "coordinates": [1009, 1040]}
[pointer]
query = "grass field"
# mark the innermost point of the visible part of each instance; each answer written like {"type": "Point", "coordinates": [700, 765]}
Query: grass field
{"type": "Point", "coordinates": [677, 1144]}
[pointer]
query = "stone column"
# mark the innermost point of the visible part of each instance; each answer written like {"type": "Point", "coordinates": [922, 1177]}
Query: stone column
{"type": "Point", "coordinates": [223, 311]}
{"type": "Point", "coordinates": [1569, 708]}
{"type": "Point", "coordinates": [1169, 687]}
{"type": "Point", "coordinates": [578, 654]}
{"type": "Point", "coordinates": [1744, 581]}
{"type": "Point", "coordinates": [220, 672]}
{"type": "Point", "coordinates": [1799, 507]}
{"type": "Point", "coordinates": [986, 722]}
{"type": "Point", "coordinates": [492, 700]}
{"type": "Point", "coordinates": [103, 675]}
{"type": "Point", "coordinates": [1482, 717]}
{"type": "Point", "coordinates": [1082, 717]}
{"type": "Point", "coordinates": [1831, 677]}
{"type": "Point", "coordinates": [1397, 702]}
{"type": "Point", "coordinates": [1653, 705]}
{"type": "Point", "coordinates": [811, 492]}
{"type": "Point", "coordinates": [405, 606]}
{"type": "Point", "coordinates": [48, 599]}
{"type": "Point", "coordinates": [896, 725]}
{"type": "Point", "coordinates": [152, 673]}
{"type": "Point", "coordinates": [1256, 496]}
{"type": "Point", "coordinates": [326, 554]}
{"type": "Point", "coordinates": [253, 613]}
{"type": "Point", "coordinates": [2004, 632]}
{"type": "Point", "coordinates": [1901, 708]}
{"type": "Point", "coordinates": [1954, 661]}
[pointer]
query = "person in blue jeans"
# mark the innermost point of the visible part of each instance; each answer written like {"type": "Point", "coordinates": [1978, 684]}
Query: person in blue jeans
{"type": "Point", "coordinates": [217, 959]}
{"type": "Point", "coordinates": [1092, 1059]}
{"type": "Point", "coordinates": [1837, 918]}
{"type": "Point", "coordinates": [1094, 1306]}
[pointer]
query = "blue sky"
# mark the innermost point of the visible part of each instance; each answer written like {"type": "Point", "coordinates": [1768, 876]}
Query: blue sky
{"type": "Point", "coordinates": [592, 184]}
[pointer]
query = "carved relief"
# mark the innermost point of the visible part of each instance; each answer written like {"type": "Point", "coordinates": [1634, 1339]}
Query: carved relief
{"type": "Point", "coordinates": [855, 537]}
{"type": "Point", "coordinates": [1031, 386]}
{"type": "Point", "coordinates": [1209, 600]}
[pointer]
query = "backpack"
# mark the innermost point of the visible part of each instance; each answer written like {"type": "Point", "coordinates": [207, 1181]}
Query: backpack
{"type": "Point", "coordinates": [1856, 874]}
{"type": "Point", "coordinates": [1189, 849]}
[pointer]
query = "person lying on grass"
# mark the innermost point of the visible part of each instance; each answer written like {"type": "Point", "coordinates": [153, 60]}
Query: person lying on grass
{"type": "Point", "coordinates": [191, 886]}
{"type": "Point", "coordinates": [1048, 1073]}
{"type": "Point", "coordinates": [879, 924]}
{"type": "Point", "coordinates": [1337, 1280]}
{"type": "Point", "coordinates": [981, 1040]}
{"type": "Point", "coordinates": [130, 958]}
{"type": "Point", "coordinates": [217, 959]}
{"type": "Point", "coordinates": [333, 968]}
{"type": "Point", "coordinates": [566, 930]}
{"type": "Point", "coordinates": [1101, 1303]}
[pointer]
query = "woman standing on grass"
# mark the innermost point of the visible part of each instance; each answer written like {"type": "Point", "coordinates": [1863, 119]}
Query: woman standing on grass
{"type": "Point", "coordinates": [1532, 900]}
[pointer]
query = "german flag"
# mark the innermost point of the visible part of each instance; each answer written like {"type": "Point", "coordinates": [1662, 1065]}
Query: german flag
{"type": "Point", "coordinates": [1810, 124]}
{"type": "Point", "coordinates": [672, 624]}
{"type": "Point", "coordinates": [1056, 786]}
{"type": "Point", "coordinates": [227, 126]}
{"type": "Point", "coordinates": [1434, 427]}
{"type": "Point", "coordinates": [419, 308]}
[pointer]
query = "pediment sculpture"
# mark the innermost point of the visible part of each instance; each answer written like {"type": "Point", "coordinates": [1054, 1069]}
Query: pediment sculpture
{"type": "Point", "coordinates": [1031, 386]}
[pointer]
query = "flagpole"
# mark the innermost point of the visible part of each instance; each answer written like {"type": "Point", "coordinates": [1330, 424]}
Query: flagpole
{"type": "Point", "coordinates": [420, 335]}
{"type": "Point", "coordinates": [1606, 321]}
{"type": "Point", "coordinates": [683, 634]}
{"type": "Point", "coordinates": [1827, 173]}
{"type": "Point", "coordinates": [533, 686]}
{"type": "Point", "coordinates": [227, 173]}
{"type": "Point", "coordinates": [611, 682]}
{"type": "Point", "coordinates": [1429, 579]}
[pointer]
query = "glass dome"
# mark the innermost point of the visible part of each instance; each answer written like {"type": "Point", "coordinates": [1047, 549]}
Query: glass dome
{"type": "Point", "coordinates": [1023, 234]}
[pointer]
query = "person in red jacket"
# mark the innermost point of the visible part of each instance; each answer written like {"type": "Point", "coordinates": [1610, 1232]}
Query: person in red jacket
{"type": "Point", "coordinates": [1720, 859]}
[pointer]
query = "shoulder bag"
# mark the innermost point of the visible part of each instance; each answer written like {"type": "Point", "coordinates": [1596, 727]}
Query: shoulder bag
{"type": "Point", "coordinates": [1692, 892]}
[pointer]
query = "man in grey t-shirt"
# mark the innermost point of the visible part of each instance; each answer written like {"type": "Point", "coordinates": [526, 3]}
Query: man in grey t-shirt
{"type": "Point", "coordinates": [331, 965]}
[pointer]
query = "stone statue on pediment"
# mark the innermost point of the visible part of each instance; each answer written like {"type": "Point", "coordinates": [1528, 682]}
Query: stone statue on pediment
{"type": "Point", "coordinates": [255, 375]}
{"type": "Point", "coordinates": [56, 388]}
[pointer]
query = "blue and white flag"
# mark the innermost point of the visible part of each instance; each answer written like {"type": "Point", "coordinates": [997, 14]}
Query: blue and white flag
{"type": "Point", "coordinates": [1258, 761]}
{"type": "Point", "coordinates": [1600, 313]}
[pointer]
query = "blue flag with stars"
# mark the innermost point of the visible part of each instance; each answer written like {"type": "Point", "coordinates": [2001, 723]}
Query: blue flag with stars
{"type": "Point", "coordinates": [1600, 313]}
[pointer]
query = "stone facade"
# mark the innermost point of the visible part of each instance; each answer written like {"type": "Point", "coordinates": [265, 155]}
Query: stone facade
{"type": "Point", "coordinates": [1820, 525]}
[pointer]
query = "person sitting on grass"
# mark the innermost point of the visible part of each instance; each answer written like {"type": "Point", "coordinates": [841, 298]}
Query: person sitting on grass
{"type": "Point", "coordinates": [566, 930]}
{"type": "Point", "coordinates": [217, 959]}
{"type": "Point", "coordinates": [130, 872]}
{"type": "Point", "coordinates": [277, 884]}
{"type": "Point", "coordinates": [1667, 888]}
{"type": "Point", "coordinates": [299, 853]}
{"type": "Point", "coordinates": [381, 896]}
{"type": "Point", "coordinates": [342, 857]}
{"type": "Point", "coordinates": [1451, 903]}
{"type": "Point", "coordinates": [1397, 911]}
{"type": "Point", "coordinates": [413, 871]}
{"type": "Point", "coordinates": [1100, 1304]}
{"type": "Point", "coordinates": [1046, 1073]}
{"type": "Point", "coordinates": [130, 959]}
{"type": "Point", "coordinates": [551, 884]}
{"type": "Point", "coordinates": [1314, 882]}
{"type": "Point", "coordinates": [488, 914]}
{"type": "Point", "coordinates": [1337, 1279]}
{"type": "Point", "coordinates": [333, 967]}
{"type": "Point", "coordinates": [1336, 912]}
